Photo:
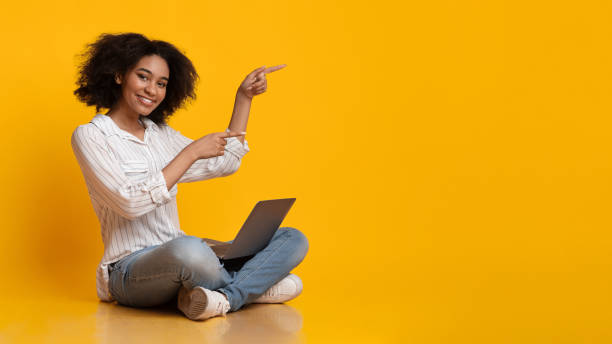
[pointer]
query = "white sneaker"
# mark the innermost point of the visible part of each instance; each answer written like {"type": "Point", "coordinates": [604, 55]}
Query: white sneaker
{"type": "Point", "coordinates": [200, 303]}
{"type": "Point", "coordinates": [287, 289]}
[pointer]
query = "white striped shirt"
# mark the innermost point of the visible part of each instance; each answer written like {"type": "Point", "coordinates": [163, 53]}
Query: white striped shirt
{"type": "Point", "coordinates": [128, 190]}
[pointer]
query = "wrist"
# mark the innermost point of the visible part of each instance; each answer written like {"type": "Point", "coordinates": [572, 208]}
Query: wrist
{"type": "Point", "coordinates": [242, 97]}
{"type": "Point", "coordinates": [191, 153]}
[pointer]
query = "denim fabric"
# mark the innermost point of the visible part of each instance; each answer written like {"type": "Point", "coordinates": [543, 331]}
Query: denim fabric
{"type": "Point", "coordinates": [153, 275]}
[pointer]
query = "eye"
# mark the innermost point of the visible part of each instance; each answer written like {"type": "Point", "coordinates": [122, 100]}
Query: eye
{"type": "Point", "coordinates": [143, 77]}
{"type": "Point", "coordinates": [161, 84]}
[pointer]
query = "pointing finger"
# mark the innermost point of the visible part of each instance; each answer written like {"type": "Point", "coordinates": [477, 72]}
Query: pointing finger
{"type": "Point", "coordinates": [232, 134]}
{"type": "Point", "coordinates": [275, 68]}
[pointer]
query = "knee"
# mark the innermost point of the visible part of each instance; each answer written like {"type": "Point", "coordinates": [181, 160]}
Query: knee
{"type": "Point", "coordinates": [298, 241]}
{"type": "Point", "coordinates": [192, 253]}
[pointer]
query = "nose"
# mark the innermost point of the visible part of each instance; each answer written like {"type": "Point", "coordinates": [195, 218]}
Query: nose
{"type": "Point", "coordinates": [150, 90]}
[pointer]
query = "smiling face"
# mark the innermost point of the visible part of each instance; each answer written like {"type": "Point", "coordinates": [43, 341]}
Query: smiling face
{"type": "Point", "coordinates": [144, 86]}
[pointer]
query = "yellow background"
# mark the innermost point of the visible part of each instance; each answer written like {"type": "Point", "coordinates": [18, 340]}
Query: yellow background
{"type": "Point", "coordinates": [450, 160]}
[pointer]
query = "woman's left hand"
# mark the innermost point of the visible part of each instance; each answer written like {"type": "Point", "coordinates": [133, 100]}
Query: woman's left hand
{"type": "Point", "coordinates": [255, 83]}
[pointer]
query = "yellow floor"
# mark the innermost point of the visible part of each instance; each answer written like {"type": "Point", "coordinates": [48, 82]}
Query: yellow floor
{"type": "Point", "coordinates": [493, 306]}
{"type": "Point", "coordinates": [64, 321]}
{"type": "Point", "coordinates": [76, 316]}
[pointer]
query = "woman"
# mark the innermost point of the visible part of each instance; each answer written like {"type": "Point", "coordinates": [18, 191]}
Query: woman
{"type": "Point", "coordinates": [132, 160]}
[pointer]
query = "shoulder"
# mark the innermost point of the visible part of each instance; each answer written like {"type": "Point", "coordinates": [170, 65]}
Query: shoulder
{"type": "Point", "coordinates": [87, 134]}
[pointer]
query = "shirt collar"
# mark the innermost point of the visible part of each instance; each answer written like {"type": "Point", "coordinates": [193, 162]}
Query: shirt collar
{"type": "Point", "coordinates": [109, 127]}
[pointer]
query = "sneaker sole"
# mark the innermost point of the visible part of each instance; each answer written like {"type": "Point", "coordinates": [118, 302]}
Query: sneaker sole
{"type": "Point", "coordinates": [193, 302]}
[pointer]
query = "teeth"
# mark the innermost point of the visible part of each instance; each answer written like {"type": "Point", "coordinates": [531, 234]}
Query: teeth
{"type": "Point", "coordinates": [145, 100]}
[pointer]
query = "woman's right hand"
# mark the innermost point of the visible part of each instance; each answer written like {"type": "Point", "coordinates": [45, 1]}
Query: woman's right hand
{"type": "Point", "coordinates": [212, 145]}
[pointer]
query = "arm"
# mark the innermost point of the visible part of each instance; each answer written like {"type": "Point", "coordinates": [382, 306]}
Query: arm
{"type": "Point", "coordinates": [185, 153]}
{"type": "Point", "coordinates": [178, 166]}
{"type": "Point", "coordinates": [240, 115]}
{"type": "Point", "coordinates": [255, 83]}
{"type": "Point", "coordinates": [187, 167]}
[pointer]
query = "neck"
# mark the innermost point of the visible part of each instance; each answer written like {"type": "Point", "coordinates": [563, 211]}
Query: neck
{"type": "Point", "coordinates": [124, 117]}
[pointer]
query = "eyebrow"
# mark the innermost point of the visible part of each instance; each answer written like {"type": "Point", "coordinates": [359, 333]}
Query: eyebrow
{"type": "Point", "coordinates": [148, 71]}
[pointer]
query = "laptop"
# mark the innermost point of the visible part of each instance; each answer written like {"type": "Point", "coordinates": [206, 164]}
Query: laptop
{"type": "Point", "coordinates": [256, 232]}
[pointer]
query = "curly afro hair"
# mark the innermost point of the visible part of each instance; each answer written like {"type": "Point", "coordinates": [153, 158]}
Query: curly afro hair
{"type": "Point", "coordinates": [112, 55]}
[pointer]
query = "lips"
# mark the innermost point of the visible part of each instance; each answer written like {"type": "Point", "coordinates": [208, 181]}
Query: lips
{"type": "Point", "coordinates": [145, 101]}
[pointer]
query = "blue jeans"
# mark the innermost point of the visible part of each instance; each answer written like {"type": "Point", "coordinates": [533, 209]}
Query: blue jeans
{"type": "Point", "coordinates": [152, 276]}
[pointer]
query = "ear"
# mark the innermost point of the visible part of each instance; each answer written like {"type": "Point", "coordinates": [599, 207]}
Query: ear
{"type": "Point", "coordinates": [117, 79]}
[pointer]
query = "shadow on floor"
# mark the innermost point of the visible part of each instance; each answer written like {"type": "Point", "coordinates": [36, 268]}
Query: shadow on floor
{"type": "Point", "coordinates": [254, 323]}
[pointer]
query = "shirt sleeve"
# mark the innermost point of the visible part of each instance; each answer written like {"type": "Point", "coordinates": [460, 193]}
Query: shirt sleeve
{"type": "Point", "coordinates": [108, 183]}
{"type": "Point", "coordinates": [202, 169]}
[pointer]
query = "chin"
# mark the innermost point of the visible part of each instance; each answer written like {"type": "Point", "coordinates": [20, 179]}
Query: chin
{"type": "Point", "coordinates": [144, 111]}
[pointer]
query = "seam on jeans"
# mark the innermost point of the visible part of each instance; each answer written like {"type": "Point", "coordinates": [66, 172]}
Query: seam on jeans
{"type": "Point", "coordinates": [138, 278]}
{"type": "Point", "coordinates": [267, 258]}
